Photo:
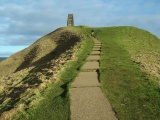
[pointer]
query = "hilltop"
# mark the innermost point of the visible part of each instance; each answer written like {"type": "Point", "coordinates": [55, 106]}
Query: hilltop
{"type": "Point", "coordinates": [38, 77]}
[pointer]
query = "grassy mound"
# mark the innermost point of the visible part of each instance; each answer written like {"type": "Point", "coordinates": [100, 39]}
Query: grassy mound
{"type": "Point", "coordinates": [34, 82]}
{"type": "Point", "coordinates": [140, 44]}
{"type": "Point", "coordinates": [32, 75]}
{"type": "Point", "coordinates": [53, 43]}
{"type": "Point", "coordinates": [129, 71]}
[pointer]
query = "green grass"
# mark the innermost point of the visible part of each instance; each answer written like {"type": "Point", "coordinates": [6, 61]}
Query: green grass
{"type": "Point", "coordinates": [56, 103]}
{"type": "Point", "coordinates": [133, 93]}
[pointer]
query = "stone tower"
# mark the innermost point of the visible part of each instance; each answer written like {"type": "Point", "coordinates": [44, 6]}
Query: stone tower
{"type": "Point", "coordinates": [70, 21]}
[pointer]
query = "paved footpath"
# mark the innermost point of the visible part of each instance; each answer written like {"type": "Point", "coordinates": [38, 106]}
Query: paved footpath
{"type": "Point", "coordinates": [87, 100]}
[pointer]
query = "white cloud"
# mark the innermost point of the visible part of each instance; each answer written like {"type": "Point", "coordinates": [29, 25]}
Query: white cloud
{"type": "Point", "coordinates": [22, 22]}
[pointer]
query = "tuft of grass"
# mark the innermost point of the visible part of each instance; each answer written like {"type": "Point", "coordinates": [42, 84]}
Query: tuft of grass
{"type": "Point", "coordinates": [133, 93]}
{"type": "Point", "coordinates": [56, 104]}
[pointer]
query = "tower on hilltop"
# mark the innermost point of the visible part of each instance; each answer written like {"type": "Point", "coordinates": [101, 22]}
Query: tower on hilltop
{"type": "Point", "coordinates": [70, 21]}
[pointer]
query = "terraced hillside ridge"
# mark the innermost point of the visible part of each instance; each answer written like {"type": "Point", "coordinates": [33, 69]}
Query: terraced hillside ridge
{"type": "Point", "coordinates": [130, 71]}
{"type": "Point", "coordinates": [25, 75]}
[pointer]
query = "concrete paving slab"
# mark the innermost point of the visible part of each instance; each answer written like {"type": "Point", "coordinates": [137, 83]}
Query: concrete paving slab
{"type": "Point", "coordinates": [97, 43]}
{"type": "Point", "coordinates": [93, 57]}
{"type": "Point", "coordinates": [91, 66]}
{"type": "Point", "coordinates": [96, 49]}
{"type": "Point", "coordinates": [97, 46]}
{"type": "Point", "coordinates": [90, 104]}
{"type": "Point", "coordinates": [95, 53]}
{"type": "Point", "coordinates": [86, 79]}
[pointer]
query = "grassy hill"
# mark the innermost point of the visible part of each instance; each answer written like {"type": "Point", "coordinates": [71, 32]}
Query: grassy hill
{"type": "Point", "coordinates": [54, 43]}
{"type": "Point", "coordinates": [143, 47]}
{"type": "Point", "coordinates": [34, 82]}
{"type": "Point", "coordinates": [130, 71]}
{"type": "Point", "coordinates": [36, 74]}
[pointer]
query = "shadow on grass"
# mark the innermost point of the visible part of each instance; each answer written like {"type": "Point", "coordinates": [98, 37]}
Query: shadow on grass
{"type": "Point", "coordinates": [65, 90]}
{"type": "Point", "coordinates": [31, 80]}
{"type": "Point", "coordinates": [15, 94]}
{"type": "Point", "coordinates": [62, 45]}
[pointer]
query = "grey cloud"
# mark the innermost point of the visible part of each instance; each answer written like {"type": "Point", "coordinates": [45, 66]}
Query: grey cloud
{"type": "Point", "coordinates": [22, 22]}
{"type": "Point", "coordinates": [25, 21]}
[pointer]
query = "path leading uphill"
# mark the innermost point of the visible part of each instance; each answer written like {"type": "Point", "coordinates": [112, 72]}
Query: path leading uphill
{"type": "Point", "coordinates": [87, 100]}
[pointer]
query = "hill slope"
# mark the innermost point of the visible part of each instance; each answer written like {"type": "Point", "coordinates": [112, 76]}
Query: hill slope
{"type": "Point", "coordinates": [25, 75]}
{"type": "Point", "coordinates": [143, 46]}
{"type": "Point", "coordinates": [130, 71]}
{"type": "Point", "coordinates": [53, 43]}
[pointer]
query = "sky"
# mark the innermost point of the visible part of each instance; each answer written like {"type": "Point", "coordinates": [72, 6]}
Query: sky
{"type": "Point", "coordinates": [22, 22]}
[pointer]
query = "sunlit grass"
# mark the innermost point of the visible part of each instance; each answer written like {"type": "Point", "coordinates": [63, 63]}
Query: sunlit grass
{"type": "Point", "coordinates": [56, 104]}
{"type": "Point", "coordinates": [133, 93]}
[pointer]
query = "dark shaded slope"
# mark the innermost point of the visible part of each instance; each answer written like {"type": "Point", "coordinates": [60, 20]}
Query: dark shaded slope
{"type": "Point", "coordinates": [43, 50]}
{"type": "Point", "coordinates": [65, 41]}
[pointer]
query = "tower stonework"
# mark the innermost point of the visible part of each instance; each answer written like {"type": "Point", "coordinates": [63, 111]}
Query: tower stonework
{"type": "Point", "coordinates": [70, 21]}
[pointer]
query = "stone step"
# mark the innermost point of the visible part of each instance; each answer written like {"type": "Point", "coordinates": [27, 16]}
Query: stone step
{"type": "Point", "coordinates": [95, 53]}
{"type": "Point", "coordinates": [90, 104]}
{"type": "Point", "coordinates": [96, 49]}
{"type": "Point", "coordinates": [86, 79]}
{"type": "Point", "coordinates": [97, 45]}
{"type": "Point", "coordinates": [96, 42]}
{"type": "Point", "coordinates": [93, 58]}
{"type": "Point", "coordinates": [90, 66]}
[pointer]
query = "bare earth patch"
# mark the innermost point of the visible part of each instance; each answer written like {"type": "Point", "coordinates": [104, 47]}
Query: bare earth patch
{"type": "Point", "coordinates": [150, 62]}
